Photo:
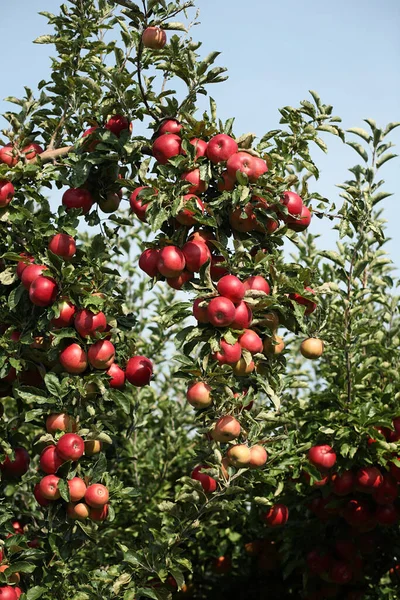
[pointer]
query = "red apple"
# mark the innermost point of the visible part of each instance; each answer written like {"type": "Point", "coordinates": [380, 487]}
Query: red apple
{"type": "Point", "coordinates": [77, 198]}
{"type": "Point", "coordinates": [277, 515]}
{"type": "Point", "coordinates": [78, 511]}
{"type": "Point", "coordinates": [198, 186]}
{"type": "Point", "coordinates": [88, 323]}
{"type": "Point", "coordinates": [226, 183]}
{"type": "Point", "coordinates": [66, 315]}
{"type": "Point", "coordinates": [99, 514]}
{"type": "Point", "coordinates": [70, 446]}
{"type": "Point", "coordinates": [117, 124]}
{"type": "Point", "coordinates": [48, 487]}
{"type": "Point", "coordinates": [60, 422]}
{"type": "Point", "coordinates": [21, 265]}
{"type": "Point", "coordinates": [387, 492]}
{"type": "Point", "coordinates": [226, 429]}
{"type": "Point", "coordinates": [43, 291]}
{"type": "Point", "coordinates": [7, 192]}
{"type": "Point", "coordinates": [154, 38]}
{"type": "Point", "coordinates": [343, 483]}
{"type": "Point", "coordinates": [117, 375]}
{"type": "Point", "coordinates": [7, 592]}
{"type": "Point", "coordinates": [137, 205]}
{"type": "Point", "coordinates": [243, 316]}
{"type": "Point", "coordinates": [178, 282]}
{"type": "Point", "coordinates": [186, 216]}
{"type": "Point", "coordinates": [293, 203]}
{"type": "Point", "coordinates": [239, 455]}
{"type": "Point", "coordinates": [18, 466]}
{"type": "Point", "coordinates": [139, 370]}
{"type": "Point", "coordinates": [244, 162]}
{"type": "Point", "coordinates": [31, 150]}
{"type": "Point", "coordinates": [395, 470]}
{"type": "Point", "coordinates": [217, 272]}
{"type": "Point", "coordinates": [201, 147]}
{"type": "Point", "coordinates": [208, 483]}
{"type": "Point", "coordinates": [258, 456]}
{"type": "Point", "coordinates": [357, 513]}
{"type": "Point", "coordinates": [77, 489]}
{"type": "Point", "coordinates": [257, 283]}
{"type": "Point", "coordinates": [170, 126]}
{"type": "Point", "coordinates": [30, 273]}
{"type": "Point", "coordinates": [166, 146]}
{"type": "Point", "coordinates": [309, 304]}
{"type": "Point", "coordinates": [196, 255]}
{"type": "Point", "coordinates": [386, 514]}
{"type": "Point", "coordinates": [8, 155]}
{"type": "Point", "coordinates": [101, 354]}
{"type": "Point", "coordinates": [322, 457]}
{"type": "Point", "coordinates": [243, 218]}
{"type": "Point", "coordinates": [220, 311]}
{"type": "Point", "coordinates": [90, 146]}
{"type": "Point", "coordinates": [50, 460]}
{"type": "Point", "coordinates": [199, 395]}
{"type": "Point", "coordinates": [228, 354]}
{"type": "Point", "coordinates": [249, 340]}
{"type": "Point", "coordinates": [232, 288]}
{"type": "Point", "coordinates": [200, 312]}
{"type": "Point", "coordinates": [148, 262]}
{"type": "Point", "coordinates": [40, 499]}
{"type": "Point", "coordinates": [73, 359]}
{"type": "Point", "coordinates": [368, 479]}
{"type": "Point", "coordinates": [171, 261]}
{"type": "Point", "coordinates": [96, 495]}
{"type": "Point", "coordinates": [63, 245]}
{"type": "Point", "coordinates": [220, 148]}
{"type": "Point", "coordinates": [302, 222]}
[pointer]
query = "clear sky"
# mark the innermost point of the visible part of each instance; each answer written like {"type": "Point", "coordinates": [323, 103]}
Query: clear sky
{"type": "Point", "coordinates": [348, 51]}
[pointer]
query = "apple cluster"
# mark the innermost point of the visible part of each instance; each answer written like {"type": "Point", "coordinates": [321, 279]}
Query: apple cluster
{"type": "Point", "coordinates": [13, 592]}
{"type": "Point", "coordinates": [84, 500]}
{"type": "Point", "coordinates": [10, 154]}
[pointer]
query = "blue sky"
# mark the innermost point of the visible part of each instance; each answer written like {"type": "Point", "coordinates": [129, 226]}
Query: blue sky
{"type": "Point", "coordinates": [349, 52]}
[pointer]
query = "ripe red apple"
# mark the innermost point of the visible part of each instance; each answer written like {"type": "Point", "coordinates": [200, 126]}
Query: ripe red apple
{"type": "Point", "coordinates": [322, 457]}
{"type": "Point", "coordinates": [208, 483]}
{"type": "Point", "coordinates": [368, 479]}
{"type": "Point", "coordinates": [148, 262]}
{"type": "Point", "coordinates": [77, 489]}
{"type": "Point", "coordinates": [48, 487]}
{"type": "Point", "coordinates": [220, 311]}
{"type": "Point", "coordinates": [43, 291]}
{"type": "Point", "coordinates": [196, 255]}
{"type": "Point", "coordinates": [154, 38]}
{"type": "Point", "coordinates": [60, 422]}
{"type": "Point", "coordinates": [17, 467]}
{"type": "Point", "coordinates": [201, 147]}
{"type": "Point", "coordinates": [186, 216]}
{"type": "Point", "coordinates": [96, 495]}
{"type": "Point", "coordinates": [7, 592]}
{"type": "Point", "coordinates": [226, 429]}
{"type": "Point", "coordinates": [200, 312]}
{"type": "Point", "coordinates": [199, 395]}
{"type": "Point", "coordinates": [309, 304]}
{"type": "Point", "coordinates": [386, 514]}
{"type": "Point", "coordinates": [101, 354]}
{"type": "Point", "coordinates": [166, 146]}
{"type": "Point", "coordinates": [70, 446]}
{"type": "Point", "coordinates": [21, 265]}
{"type": "Point", "coordinates": [387, 492]}
{"type": "Point", "coordinates": [231, 287]}
{"type": "Point", "coordinates": [249, 340]}
{"type": "Point", "coordinates": [77, 198]}
{"type": "Point", "coordinates": [90, 146]}
{"type": "Point", "coordinates": [78, 511]}
{"type": "Point", "coordinates": [73, 359]}
{"type": "Point", "coordinates": [8, 155]}
{"type": "Point", "coordinates": [178, 282]}
{"type": "Point", "coordinates": [357, 513]}
{"type": "Point", "coordinates": [243, 316]}
{"type": "Point", "coordinates": [226, 183]}
{"type": "Point", "coordinates": [217, 272]}
{"type": "Point", "coordinates": [242, 368]}
{"type": "Point", "coordinates": [137, 205]}
{"type": "Point", "coordinates": [277, 515]}
{"type": "Point", "coordinates": [239, 455]}
{"type": "Point", "coordinates": [243, 218]}
{"type": "Point", "coordinates": [171, 261]}
{"type": "Point", "coordinates": [198, 186]}
{"type": "Point", "coordinates": [50, 460]}
{"type": "Point", "coordinates": [30, 273]}
{"type": "Point", "coordinates": [395, 470]}
{"type": "Point", "coordinates": [220, 148]}
{"type": "Point", "coordinates": [117, 124]}
{"type": "Point", "coordinates": [139, 370]}
{"type": "Point", "coordinates": [258, 456]}
{"type": "Point", "coordinates": [302, 222]}
{"type": "Point", "coordinates": [244, 162]}
{"type": "Point", "coordinates": [343, 483]}
{"type": "Point", "coordinates": [63, 245]}
{"type": "Point", "coordinates": [99, 514]}
{"type": "Point", "coordinates": [293, 203]}
{"type": "Point", "coordinates": [88, 323]}
{"type": "Point", "coordinates": [257, 283]}
{"type": "Point", "coordinates": [7, 192]}
{"type": "Point", "coordinates": [228, 354]}
{"type": "Point", "coordinates": [170, 126]}
{"type": "Point", "coordinates": [66, 315]}
{"type": "Point", "coordinates": [117, 375]}
{"type": "Point", "coordinates": [40, 499]}
{"type": "Point", "coordinates": [31, 150]}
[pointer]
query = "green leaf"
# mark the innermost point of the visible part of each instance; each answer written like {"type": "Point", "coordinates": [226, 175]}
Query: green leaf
{"type": "Point", "coordinates": [360, 132]}
{"type": "Point", "coordinates": [390, 127]}
{"type": "Point", "coordinates": [35, 592]}
{"type": "Point", "coordinates": [53, 385]}
{"type": "Point", "coordinates": [358, 148]}
{"type": "Point", "coordinates": [381, 161]}
{"type": "Point", "coordinates": [174, 26]}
